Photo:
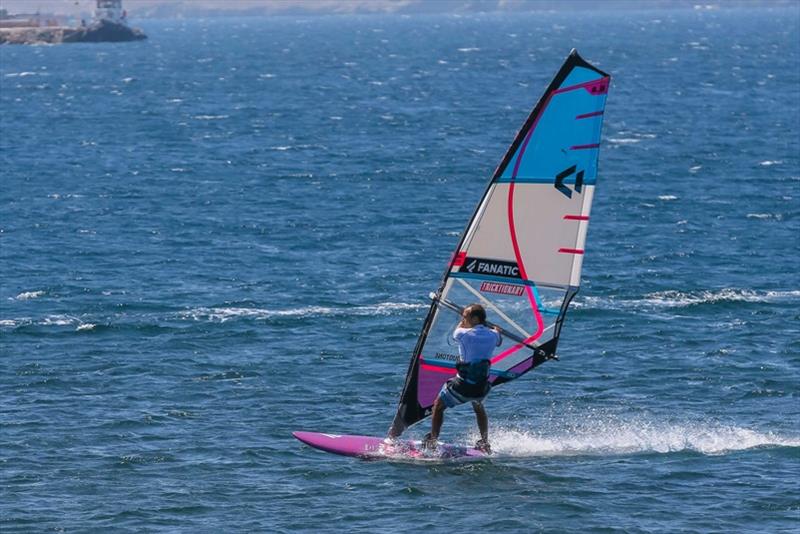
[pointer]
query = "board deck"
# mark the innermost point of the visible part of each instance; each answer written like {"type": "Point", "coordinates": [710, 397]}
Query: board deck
{"type": "Point", "coordinates": [372, 447]}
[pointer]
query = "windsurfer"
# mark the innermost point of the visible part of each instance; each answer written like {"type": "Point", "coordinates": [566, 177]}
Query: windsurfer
{"type": "Point", "coordinates": [476, 343]}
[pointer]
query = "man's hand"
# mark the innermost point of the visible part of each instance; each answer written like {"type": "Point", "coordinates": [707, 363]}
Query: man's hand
{"type": "Point", "coordinates": [499, 334]}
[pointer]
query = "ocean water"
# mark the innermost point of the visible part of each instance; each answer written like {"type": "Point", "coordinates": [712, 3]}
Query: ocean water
{"type": "Point", "coordinates": [228, 232]}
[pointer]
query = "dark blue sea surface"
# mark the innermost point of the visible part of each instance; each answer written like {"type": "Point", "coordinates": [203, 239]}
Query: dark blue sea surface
{"type": "Point", "coordinates": [229, 232]}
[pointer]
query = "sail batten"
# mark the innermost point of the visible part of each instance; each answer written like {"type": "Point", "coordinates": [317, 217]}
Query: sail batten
{"type": "Point", "coordinates": [522, 251]}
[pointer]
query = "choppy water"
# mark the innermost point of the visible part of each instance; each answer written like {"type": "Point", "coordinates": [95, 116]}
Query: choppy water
{"type": "Point", "coordinates": [226, 233]}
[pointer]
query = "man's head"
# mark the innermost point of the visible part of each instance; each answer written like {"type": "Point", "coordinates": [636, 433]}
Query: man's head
{"type": "Point", "coordinates": [474, 314]}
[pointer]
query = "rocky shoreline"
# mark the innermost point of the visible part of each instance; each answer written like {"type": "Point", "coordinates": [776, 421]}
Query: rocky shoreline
{"type": "Point", "coordinates": [104, 31]}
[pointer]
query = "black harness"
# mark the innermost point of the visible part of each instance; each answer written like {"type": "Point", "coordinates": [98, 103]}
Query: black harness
{"type": "Point", "coordinates": [472, 379]}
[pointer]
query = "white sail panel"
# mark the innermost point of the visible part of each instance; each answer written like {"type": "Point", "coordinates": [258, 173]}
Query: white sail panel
{"type": "Point", "coordinates": [555, 230]}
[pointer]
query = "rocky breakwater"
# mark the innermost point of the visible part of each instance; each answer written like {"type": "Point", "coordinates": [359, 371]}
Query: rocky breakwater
{"type": "Point", "coordinates": [103, 31]}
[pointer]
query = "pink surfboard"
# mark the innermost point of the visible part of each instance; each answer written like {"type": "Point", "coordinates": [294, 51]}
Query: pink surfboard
{"type": "Point", "coordinates": [375, 448]}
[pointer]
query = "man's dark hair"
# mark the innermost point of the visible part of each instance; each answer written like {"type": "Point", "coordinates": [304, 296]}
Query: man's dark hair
{"type": "Point", "coordinates": [477, 313]}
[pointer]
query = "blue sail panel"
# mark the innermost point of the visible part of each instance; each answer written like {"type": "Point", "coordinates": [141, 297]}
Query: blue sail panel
{"type": "Point", "coordinates": [565, 132]}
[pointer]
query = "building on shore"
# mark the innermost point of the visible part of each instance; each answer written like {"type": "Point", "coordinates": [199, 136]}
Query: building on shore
{"type": "Point", "coordinates": [109, 24]}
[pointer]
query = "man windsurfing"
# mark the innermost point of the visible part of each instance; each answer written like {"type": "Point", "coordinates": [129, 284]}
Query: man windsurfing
{"type": "Point", "coordinates": [476, 344]}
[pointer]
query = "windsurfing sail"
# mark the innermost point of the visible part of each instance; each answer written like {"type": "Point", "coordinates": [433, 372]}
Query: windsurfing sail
{"type": "Point", "coordinates": [521, 252]}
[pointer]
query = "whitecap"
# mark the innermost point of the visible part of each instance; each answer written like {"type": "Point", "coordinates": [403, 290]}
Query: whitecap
{"type": "Point", "coordinates": [679, 299]}
{"type": "Point", "coordinates": [770, 162]}
{"type": "Point", "coordinates": [671, 299]}
{"type": "Point", "coordinates": [667, 197]}
{"type": "Point", "coordinates": [210, 117]}
{"type": "Point", "coordinates": [27, 295]}
{"type": "Point", "coordinates": [57, 320]}
{"type": "Point", "coordinates": [84, 327]}
{"type": "Point", "coordinates": [469, 49]}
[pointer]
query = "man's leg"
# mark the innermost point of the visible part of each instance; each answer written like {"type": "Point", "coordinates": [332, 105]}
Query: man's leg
{"type": "Point", "coordinates": [437, 418]}
{"type": "Point", "coordinates": [483, 420]}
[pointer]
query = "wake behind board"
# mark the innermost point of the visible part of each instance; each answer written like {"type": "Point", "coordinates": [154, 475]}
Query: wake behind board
{"type": "Point", "coordinates": [371, 447]}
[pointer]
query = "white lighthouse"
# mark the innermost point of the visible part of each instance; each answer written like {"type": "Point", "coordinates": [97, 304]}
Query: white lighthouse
{"type": "Point", "coordinates": [110, 10]}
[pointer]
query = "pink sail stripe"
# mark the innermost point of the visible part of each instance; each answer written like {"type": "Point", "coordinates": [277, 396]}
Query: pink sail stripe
{"type": "Point", "coordinates": [588, 115]}
{"type": "Point", "coordinates": [576, 217]}
{"type": "Point", "coordinates": [511, 350]}
{"type": "Point", "coordinates": [584, 147]}
{"type": "Point", "coordinates": [571, 250]}
{"type": "Point", "coordinates": [515, 244]}
{"type": "Point", "coordinates": [596, 87]}
{"type": "Point", "coordinates": [437, 369]}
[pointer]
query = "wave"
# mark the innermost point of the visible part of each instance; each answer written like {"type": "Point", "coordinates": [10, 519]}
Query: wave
{"type": "Point", "coordinates": [27, 295]}
{"type": "Point", "coordinates": [776, 216]}
{"type": "Point", "coordinates": [59, 320]}
{"type": "Point", "coordinates": [686, 299]}
{"type": "Point", "coordinates": [210, 117]}
{"type": "Point", "coordinates": [679, 299]}
{"type": "Point", "coordinates": [658, 300]}
{"type": "Point", "coordinates": [222, 314]}
{"type": "Point", "coordinates": [219, 314]}
{"type": "Point", "coordinates": [634, 437]}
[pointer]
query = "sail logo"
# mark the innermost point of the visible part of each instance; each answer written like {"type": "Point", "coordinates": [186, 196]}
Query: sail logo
{"type": "Point", "coordinates": [446, 357]}
{"type": "Point", "coordinates": [490, 267]}
{"type": "Point", "coordinates": [559, 183]}
{"type": "Point", "coordinates": [502, 289]}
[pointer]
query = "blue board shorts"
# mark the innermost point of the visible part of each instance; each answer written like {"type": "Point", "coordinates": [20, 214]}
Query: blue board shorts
{"type": "Point", "coordinates": [457, 391]}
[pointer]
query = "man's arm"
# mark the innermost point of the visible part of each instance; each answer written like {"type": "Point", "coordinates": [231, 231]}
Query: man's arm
{"type": "Point", "coordinates": [459, 332]}
{"type": "Point", "coordinates": [499, 335]}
